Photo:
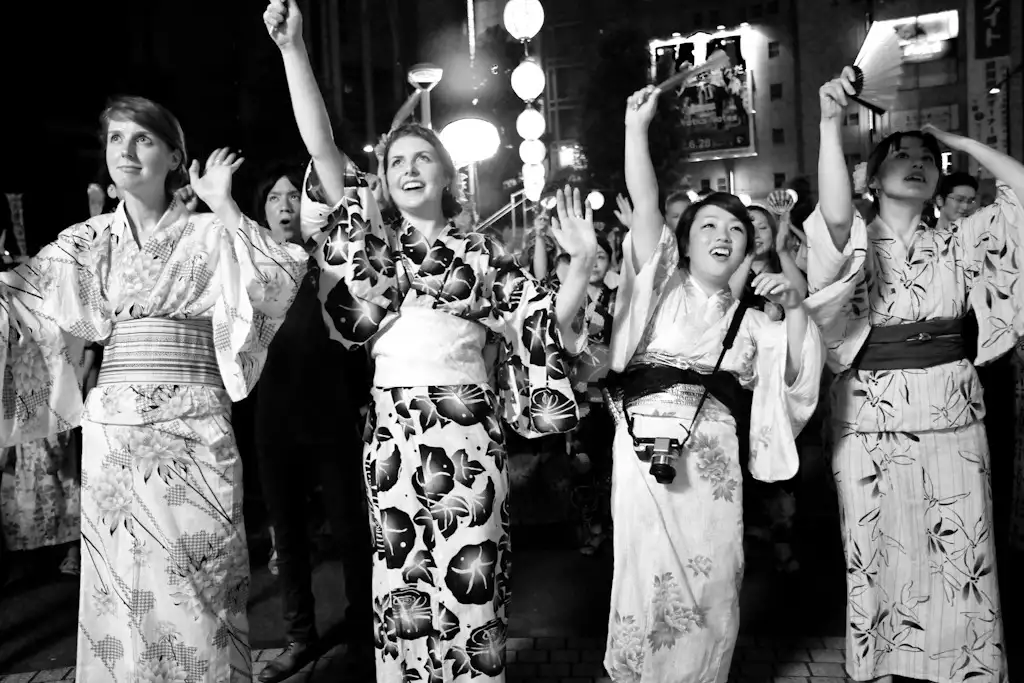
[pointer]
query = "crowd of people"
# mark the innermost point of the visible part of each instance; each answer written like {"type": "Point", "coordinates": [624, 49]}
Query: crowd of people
{"type": "Point", "coordinates": [718, 337]}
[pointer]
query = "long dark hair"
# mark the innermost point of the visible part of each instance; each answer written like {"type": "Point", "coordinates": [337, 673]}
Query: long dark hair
{"type": "Point", "coordinates": [292, 172]}
{"type": "Point", "coordinates": [774, 264]}
{"type": "Point", "coordinates": [893, 141]}
{"type": "Point", "coordinates": [450, 206]}
{"type": "Point", "coordinates": [158, 120]}
{"type": "Point", "coordinates": [723, 200]}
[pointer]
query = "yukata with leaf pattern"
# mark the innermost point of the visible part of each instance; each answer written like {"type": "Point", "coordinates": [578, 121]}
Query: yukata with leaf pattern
{"type": "Point", "coordinates": [186, 318]}
{"type": "Point", "coordinates": [679, 547]}
{"type": "Point", "coordinates": [435, 459]}
{"type": "Point", "coordinates": [910, 454]}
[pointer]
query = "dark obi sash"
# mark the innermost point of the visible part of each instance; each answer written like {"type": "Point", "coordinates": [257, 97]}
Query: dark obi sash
{"type": "Point", "coordinates": [913, 346]}
{"type": "Point", "coordinates": [643, 380]}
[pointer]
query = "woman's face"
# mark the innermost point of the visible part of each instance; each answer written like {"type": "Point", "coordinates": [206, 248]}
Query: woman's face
{"type": "Point", "coordinates": [674, 211]}
{"type": "Point", "coordinates": [282, 210]}
{"type": "Point", "coordinates": [416, 177]}
{"type": "Point", "coordinates": [137, 160]}
{"type": "Point", "coordinates": [909, 173]}
{"type": "Point", "coordinates": [717, 245]}
{"type": "Point", "coordinates": [600, 270]}
{"type": "Point", "coordinates": [764, 240]}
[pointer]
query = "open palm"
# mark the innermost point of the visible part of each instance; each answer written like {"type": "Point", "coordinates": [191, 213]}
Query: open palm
{"type": "Point", "coordinates": [574, 228]}
{"type": "Point", "coordinates": [214, 185]}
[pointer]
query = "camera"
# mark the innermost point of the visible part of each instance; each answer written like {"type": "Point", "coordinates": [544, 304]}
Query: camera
{"type": "Point", "coordinates": [664, 453]}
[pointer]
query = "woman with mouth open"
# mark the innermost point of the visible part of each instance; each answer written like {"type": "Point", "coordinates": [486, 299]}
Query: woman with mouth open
{"type": "Point", "coordinates": [423, 296]}
{"type": "Point", "coordinates": [910, 455]}
{"type": "Point", "coordinates": [678, 535]}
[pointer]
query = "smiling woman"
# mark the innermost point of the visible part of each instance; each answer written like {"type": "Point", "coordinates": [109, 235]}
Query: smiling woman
{"type": "Point", "coordinates": [164, 574]}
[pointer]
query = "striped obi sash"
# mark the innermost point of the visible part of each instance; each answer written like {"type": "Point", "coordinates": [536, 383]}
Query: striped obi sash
{"type": "Point", "coordinates": [161, 351]}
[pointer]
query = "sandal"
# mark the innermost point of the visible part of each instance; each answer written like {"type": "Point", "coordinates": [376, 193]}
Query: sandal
{"type": "Point", "coordinates": [71, 566]}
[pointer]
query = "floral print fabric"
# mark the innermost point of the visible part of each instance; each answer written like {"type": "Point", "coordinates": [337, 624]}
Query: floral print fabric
{"type": "Point", "coordinates": [436, 465]}
{"type": "Point", "coordinates": [39, 494]}
{"type": "Point", "coordinates": [164, 565]}
{"type": "Point", "coordinates": [910, 454]}
{"type": "Point", "coordinates": [679, 547]}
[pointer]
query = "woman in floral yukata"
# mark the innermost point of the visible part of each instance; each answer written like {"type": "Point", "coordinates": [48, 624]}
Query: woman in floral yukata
{"type": "Point", "coordinates": [910, 455]}
{"type": "Point", "coordinates": [423, 294]}
{"type": "Point", "coordinates": [186, 305]}
{"type": "Point", "coordinates": [678, 544]}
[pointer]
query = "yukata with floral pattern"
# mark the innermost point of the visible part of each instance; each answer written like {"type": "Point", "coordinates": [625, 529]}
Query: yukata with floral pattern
{"type": "Point", "coordinates": [435, 459]}
{"type": "Point", "coordinates": [679, 547]}
{"type": "Point", "coordinates": [39, 493]}
{"type": "Point", "coordinates": [910, 454]}
{"type": "Point", "coordinates": [165, 572]}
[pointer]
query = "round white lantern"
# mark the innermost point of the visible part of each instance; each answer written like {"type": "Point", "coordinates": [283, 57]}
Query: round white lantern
{"type": "Point", "coordinates": [523, 18]}
{"type": "Point", "coordinates": [531, 124]}
{"type": "Point", "coordinates": [470, 140]}
{"type": "Point", "coordinates": [532, 151]}
{"type": "Point", "coordinates": [534, 171]}
{"type": "Point", "coordinates": [528, 80]}
{"type": "Point", "coordinates": [533, 192]}
{"type": "Point", "coordinates": [745, 198]}
{"type": "Point", "coordinates": [596, 200]}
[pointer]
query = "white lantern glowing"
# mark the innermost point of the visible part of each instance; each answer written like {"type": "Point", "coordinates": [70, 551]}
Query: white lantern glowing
{"type": "Point", "coordinates": [745, 198]}
{"type": "Point", "coordinates": [532, 151]}
{"type": "Point", "coordinates": [470, 140]}
{"type": "Point", "coordinates": [531, 124]}
{"type": "Point", "coordinates": [523, 18]}
{"type": "Point", "coordinates": [534, 171]}
{"type": "Point", "coordinates": [533, 193]}
{"type": "Point", "coordinates": [528, 80]}
{"type": "Point", "coordinates": [549, 202]}
{"type": "Point", "coordinates": [596, 200]}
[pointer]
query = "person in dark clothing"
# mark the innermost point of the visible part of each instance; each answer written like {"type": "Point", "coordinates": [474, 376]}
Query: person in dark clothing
{"type": "Point", "coordinates": [306, 431]}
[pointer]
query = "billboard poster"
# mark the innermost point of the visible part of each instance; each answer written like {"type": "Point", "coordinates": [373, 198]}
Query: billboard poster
{"type": "Point", "coordinates": [715, 110]}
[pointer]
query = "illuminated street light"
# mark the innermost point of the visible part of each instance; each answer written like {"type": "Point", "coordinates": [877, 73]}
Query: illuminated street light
{"type": "Point", "coordinates": [531, 124]}
{"type": "Point", "coordinates": [528, 80]}
{"type": "Point", "coordinates": [470, 140]}
{"type": "Point", "coordinates": [425, 77]}
{"type": "Point", "coordinates": [532, 151]}
{"type": "Point", "coordinates": [523, 18]}
{"type": "Point", "coordinates": [368, 149]}
{"type": "Point", "coordinates": [596, 200]}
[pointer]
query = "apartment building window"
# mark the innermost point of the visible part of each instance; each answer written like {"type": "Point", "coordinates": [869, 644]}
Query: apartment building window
{"type": "Point", "coordinates": [853, 119]}
{"type": "Point", "coordinates": [723, 185]}
{"type": "Point", "coordinates": [775, 91]}
{"type": "Point", "coordinates": [773, 49]}
{"type": "Point", "coordinates": [705, 184]}
{"type": "Point", "coordinates": [773, 7]}
{"type": "Point", "coordinates": [780, 180]}
{"type": "Point", "coordinates": [778, 136]}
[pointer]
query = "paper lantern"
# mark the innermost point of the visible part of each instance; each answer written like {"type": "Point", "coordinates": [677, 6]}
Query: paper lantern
{"type": "Point", "coordinates": [534, 171]}
{"type": "Point", "coordinates": [531, 124]}
{"type": "Point", "coordinates": [523, 18]}
{"type": "Point", "coordinates": [532, 151]}
{"type": "Point", "coordinates": [745, 198]}
{"type": "Point", "coordinates": [528, 80]}
{"type": "Point", "coordinates": [596, 200]}
{"type": "Point", "coordinates": [470, 140]}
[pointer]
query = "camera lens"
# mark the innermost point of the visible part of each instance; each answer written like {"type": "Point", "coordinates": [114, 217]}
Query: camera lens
{"type": "Point", "coordinates": [662, 470]}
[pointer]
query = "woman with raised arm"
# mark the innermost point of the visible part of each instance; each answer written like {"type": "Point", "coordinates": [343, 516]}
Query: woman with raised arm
{"type": "Point", "coordinates": [911, 458]}
{"type": "Point", "coordinates": [186, 305]}
{"type": "Point", "coordinates": [423, 294]}
{"type": "Point", "coordinates": [685, 349]}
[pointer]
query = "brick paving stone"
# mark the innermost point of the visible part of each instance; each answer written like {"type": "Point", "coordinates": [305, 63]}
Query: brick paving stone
{"type": "Point", "coordinates": [801, 655]}
{"type": "Point", "coordinates": [586, 643]}
{"type": "Point", "coordinates": [827, 669]}
{"type": "Point", "coordinates": [70, 676]}
{"type": "Point", "coordinates": [520, 670]}
{"type": "Point", "coordinates": [519, 644]}
{"type": "Point", "coordinates": [756, 669]}
{"type": "Point", "coordinates": [52, 675]}
{"type": "Point", "coordinates": [759, 654]}
{"type": "Point", "coordinates": [18, 678]}
{"type": "Point", "coordinates": [828, 656]}
{"type": "Point", "coordinates": [593, 656]}
{"type": "Point", "coordinates": [588, 669]}
{"type": "Point", "coordinates": [555, 670]}
{"type": "Point", "coordinates": [792, 669]}
{"type": "Point", "coordinates": [510, 656]}
{"type": "Point", "coordinates": [550, 643]}
{"type": "Point", "coordinates": [835, 643]}
{"type": "Point", "coordinates": [809, 642]}
{"type": "Point", "coordinates": [565, 656]}
{"type": "Point", "coordinates": [532, 656]}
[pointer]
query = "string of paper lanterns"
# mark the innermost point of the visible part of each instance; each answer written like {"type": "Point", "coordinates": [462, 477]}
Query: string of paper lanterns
{"type": "Point", "coordinates": [523, 20]}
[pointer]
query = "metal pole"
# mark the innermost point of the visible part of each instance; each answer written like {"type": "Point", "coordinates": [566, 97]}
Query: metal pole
{"type": "Point", "coordinates": [425, 110]}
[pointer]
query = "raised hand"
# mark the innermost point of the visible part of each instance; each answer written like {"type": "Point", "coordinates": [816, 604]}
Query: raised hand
{"type": "Point", "coordinates": [776, 288]}
{"type": "Point", "coordinates": [951, 140]}
{"type": "Point", "coordinates": [782, 238]}
{"type": "Point", "coordinates": [625, 212]}
{"type": "Point", "coordinates": [284, 22]}
{"type": "Point", "coordinates": [574, 227]}
{"type": "Point", "coordinates": [833, 96]}
{"type": "Point", "coordinates": [214, 185]}
{"type": "Point", "coordinates": [642, 106]}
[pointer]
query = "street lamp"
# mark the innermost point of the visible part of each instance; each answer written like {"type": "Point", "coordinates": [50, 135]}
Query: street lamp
{"type": "Point", "coordinates": [425, 77]}
{"type": "Point", "coordinates": [470, 140]}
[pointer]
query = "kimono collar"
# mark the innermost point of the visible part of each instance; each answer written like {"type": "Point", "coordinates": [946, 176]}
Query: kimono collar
{"type": "Point", "coordinates": [408, 232]}
{"type": "Point", "coordinates": [724, 295]}
{"type": "Point", "coordinates": [879, 229]}
{"type": "Point", "coordinates": [174, 212]}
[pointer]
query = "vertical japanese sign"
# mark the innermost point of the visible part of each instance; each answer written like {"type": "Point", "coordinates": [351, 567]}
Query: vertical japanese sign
{"type": "Point", "coordinates": [988, 32]}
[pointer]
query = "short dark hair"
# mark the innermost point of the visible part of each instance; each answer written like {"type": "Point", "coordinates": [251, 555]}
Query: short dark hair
{"type": "Point", "coordinates": [155, 118]}
{"type": "Point", "coordinates": [948, 183]}
{"type": "Point", "coordinates": [292, 172]}
{"type": "Point", "coordinates": [450, 206]}
{"type": "Point", "coordinates": [723, 200]}
{"type": "Point", "coordinates": [678, 196]}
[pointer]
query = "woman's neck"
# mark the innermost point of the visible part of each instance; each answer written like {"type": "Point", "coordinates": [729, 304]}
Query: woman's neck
{"type": "Point", "coordinates": [708, 285]}
{"type": "Point", "coordinates": [902, 217]}
{"type": "Point", "coordinates": [430, 227]}
{"type": "Point", "coordinates": [145, 211]}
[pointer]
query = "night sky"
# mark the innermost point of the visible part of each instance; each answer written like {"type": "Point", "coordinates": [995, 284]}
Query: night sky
{"type": "Point", "coordinates": [209, 61]}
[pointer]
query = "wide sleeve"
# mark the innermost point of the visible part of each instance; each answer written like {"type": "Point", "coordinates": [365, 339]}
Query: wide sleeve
{"type": "Point", "coordinates": [533, 372]}
{"type": "Point", "coordinates": [49, 307]}
{"type": "Point", "coordinates": [837, 283]}
{"type": "Point", "coordinates": [779, 410]}
{"type": "Point", "coordinates": [357, 279]}
{"type": "Point", "coordinates": [639, 293]}
{"type": "Point", "coordinates": [258, 280]}
{"type": "Point", "coordinates": [990, 244]}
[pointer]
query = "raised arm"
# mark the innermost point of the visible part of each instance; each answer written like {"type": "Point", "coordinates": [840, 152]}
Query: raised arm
{"type": "Point", "coordinates": [284, 23]}
{"type": "Point", "coordinates": [833, 178]}
{"type": "Point", "coordinates": [641, 181]}
{"type": "Point", "coordinates": [1005, 168]}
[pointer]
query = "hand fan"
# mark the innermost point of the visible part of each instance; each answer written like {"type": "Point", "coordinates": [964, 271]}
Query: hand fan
{"type": "Point", "coordinates": [717, 60]}
{"type": "Point", "coordinates": [781, 201]}
{"type": "Point", "coordinates": [879, 68]}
